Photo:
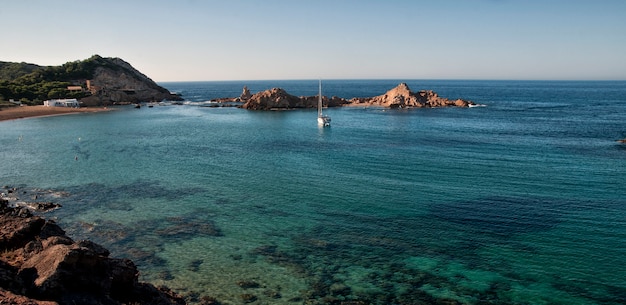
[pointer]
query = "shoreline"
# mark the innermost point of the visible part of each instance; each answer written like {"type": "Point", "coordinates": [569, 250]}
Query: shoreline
{"type": "Point", "coordinates": [24, 112]}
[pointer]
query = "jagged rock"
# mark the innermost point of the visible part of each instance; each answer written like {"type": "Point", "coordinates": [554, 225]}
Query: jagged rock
{"type": "Point", "coordinates": [16, 230]}
{"type": "Point", "coordinates": [61, 270]}
{"type": "Point", "coordinates": [401, 96]}
{"type": "Point", "coordinates": [398, 97]}
{"type": "Point", "coordinates": [278, 98]}
{"type": "Point", "coordinates": [245, 94]}
{"type": "Point", "coordinates": [40, 206]}
{"type": "Point", "coordinates": [114, 81]}
{"type": "Point", "coordinates": [273, 98]}
{"type": "Point", "coordinates": [8, 297]}
{"type": "Point", "coordinates": [40, 263]}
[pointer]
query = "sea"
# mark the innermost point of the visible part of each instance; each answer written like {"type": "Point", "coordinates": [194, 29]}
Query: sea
{"type": "Point", "coordinates": [519, 201]}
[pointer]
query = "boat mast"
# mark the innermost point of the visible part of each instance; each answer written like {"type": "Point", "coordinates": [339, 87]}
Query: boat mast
{"type": "Point", "coordinates": [319, 101]}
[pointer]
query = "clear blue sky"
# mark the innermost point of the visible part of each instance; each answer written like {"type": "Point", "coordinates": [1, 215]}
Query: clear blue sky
{"type": "Point", "coordinates": [290, 39]}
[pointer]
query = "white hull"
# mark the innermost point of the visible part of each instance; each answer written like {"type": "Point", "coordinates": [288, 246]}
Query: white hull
{"type": "Point", "coordinates": [323, 121]}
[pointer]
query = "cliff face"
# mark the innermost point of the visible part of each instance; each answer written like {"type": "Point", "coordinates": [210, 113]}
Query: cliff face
{"type": "Point", "coordinates": [115, 81]}
{"type": "Point", "coordinates": [94, 81]}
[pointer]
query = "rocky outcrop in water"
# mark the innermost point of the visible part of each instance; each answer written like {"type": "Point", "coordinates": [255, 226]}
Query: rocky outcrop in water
{"type": "Point", "coordinates": [278, 98]}
{"type": "Point", "coordinates": [245, 94]}
{"type": "Point", "coordinates": [39, 264]}
{"type": "Point", "coordinates": [402, 97]}
{"type": "Point", "coordinates": [398, 97]}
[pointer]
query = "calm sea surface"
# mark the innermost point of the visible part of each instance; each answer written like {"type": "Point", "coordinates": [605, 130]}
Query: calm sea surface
{"type": "Point", "coordinates": [519, 202]}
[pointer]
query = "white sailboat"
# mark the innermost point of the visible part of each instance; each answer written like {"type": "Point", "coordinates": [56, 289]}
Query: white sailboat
{"type": "Point", "coordinates": [322, 119]}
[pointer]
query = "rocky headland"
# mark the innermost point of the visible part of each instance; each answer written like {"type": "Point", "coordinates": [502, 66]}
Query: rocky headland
{"type": "Point", "coordinates": [41, 265]}
{"type": "Point", "coordinates": [114, 81]}
{"type": "Point", "coordinates": [96, 81]}
{"type": "Point", "coordinates": [399, 97]}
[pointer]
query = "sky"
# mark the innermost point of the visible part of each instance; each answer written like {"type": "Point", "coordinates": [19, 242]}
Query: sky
{"type": "Point", "coordinates": [203, 40]}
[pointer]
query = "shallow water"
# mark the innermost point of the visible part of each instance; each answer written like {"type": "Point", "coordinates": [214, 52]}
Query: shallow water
{"type": "Point", "coordinates": [520, 202]}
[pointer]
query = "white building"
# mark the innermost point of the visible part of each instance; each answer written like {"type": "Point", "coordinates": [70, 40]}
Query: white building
{"type": "Point", "coordinates": [72, 102]}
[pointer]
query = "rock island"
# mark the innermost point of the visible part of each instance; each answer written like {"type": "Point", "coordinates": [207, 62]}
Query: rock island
{"type": "Point", "coordinates": [399, 97]}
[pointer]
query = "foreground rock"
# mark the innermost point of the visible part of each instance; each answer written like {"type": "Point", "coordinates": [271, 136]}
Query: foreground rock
{"type": "Point", "coordinates": [39, 264]}
{"type": "Point", "coordinates": [398, 97]}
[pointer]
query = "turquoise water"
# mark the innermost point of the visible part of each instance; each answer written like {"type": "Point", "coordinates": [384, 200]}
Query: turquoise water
{"type": "Point", "coordinates": [518, 202]}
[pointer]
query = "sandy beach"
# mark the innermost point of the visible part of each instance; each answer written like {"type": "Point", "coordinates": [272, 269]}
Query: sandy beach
{"type": "Point", "coordinates": [40, 110]}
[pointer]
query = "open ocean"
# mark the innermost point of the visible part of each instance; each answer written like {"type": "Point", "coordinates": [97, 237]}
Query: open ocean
{"type": "Point", "coordinates": [519, 202]}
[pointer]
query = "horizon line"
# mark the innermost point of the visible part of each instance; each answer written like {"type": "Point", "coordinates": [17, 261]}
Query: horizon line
{"type": "Point", "coordinates": [395, 79]}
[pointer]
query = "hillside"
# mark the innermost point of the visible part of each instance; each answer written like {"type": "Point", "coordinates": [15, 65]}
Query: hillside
{"type": "Point", "coordinates": [94, 81]}
{"type": "Point", "coordinates": [13, 70]}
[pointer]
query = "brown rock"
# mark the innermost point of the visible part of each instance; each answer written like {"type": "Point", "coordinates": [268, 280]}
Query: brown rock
{"type": "Point", "coordinates": [115, 81]}
{"type": "Point", "coordinates": [10, 298]}
{"type": "Point", "coordinates": [40, 263]}
{"type": "Point", "coordinates": [402, 97]}
{"type": "Point", "coordinates": [271, 99]}
{"type": "Point", "coordinates": [64, 270]}
{"type": "Point", "coordinates": [278, 98]}
{"type": "Point", "coordinates": [245, 94]}
{"type": "Point", "coordinates": [17, 228]}
{"type": "Point", "coordinates": [398, 97]}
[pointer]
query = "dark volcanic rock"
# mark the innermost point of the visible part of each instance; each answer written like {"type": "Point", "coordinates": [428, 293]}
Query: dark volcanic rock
{"type": "Point", "coordinates": [8, 297]}
{"type": "Point", "coordinates": [41, 265]}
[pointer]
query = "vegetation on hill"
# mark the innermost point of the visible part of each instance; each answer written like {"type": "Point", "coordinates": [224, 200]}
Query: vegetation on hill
{"type": "Point", "coordinates": [12, 70]}
{"type": "Point", "coordinates": [33, 84]}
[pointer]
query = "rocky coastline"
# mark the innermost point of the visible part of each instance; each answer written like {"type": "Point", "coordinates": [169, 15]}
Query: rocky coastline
{"type": "Point", "coordinates": [399, 97]}
{"type": "Point", "coordinates": [116, 82]}
{"type": "Point", "coordinates": [96, 81]}
{"type": "Point", "coordinates": [41, 265]}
